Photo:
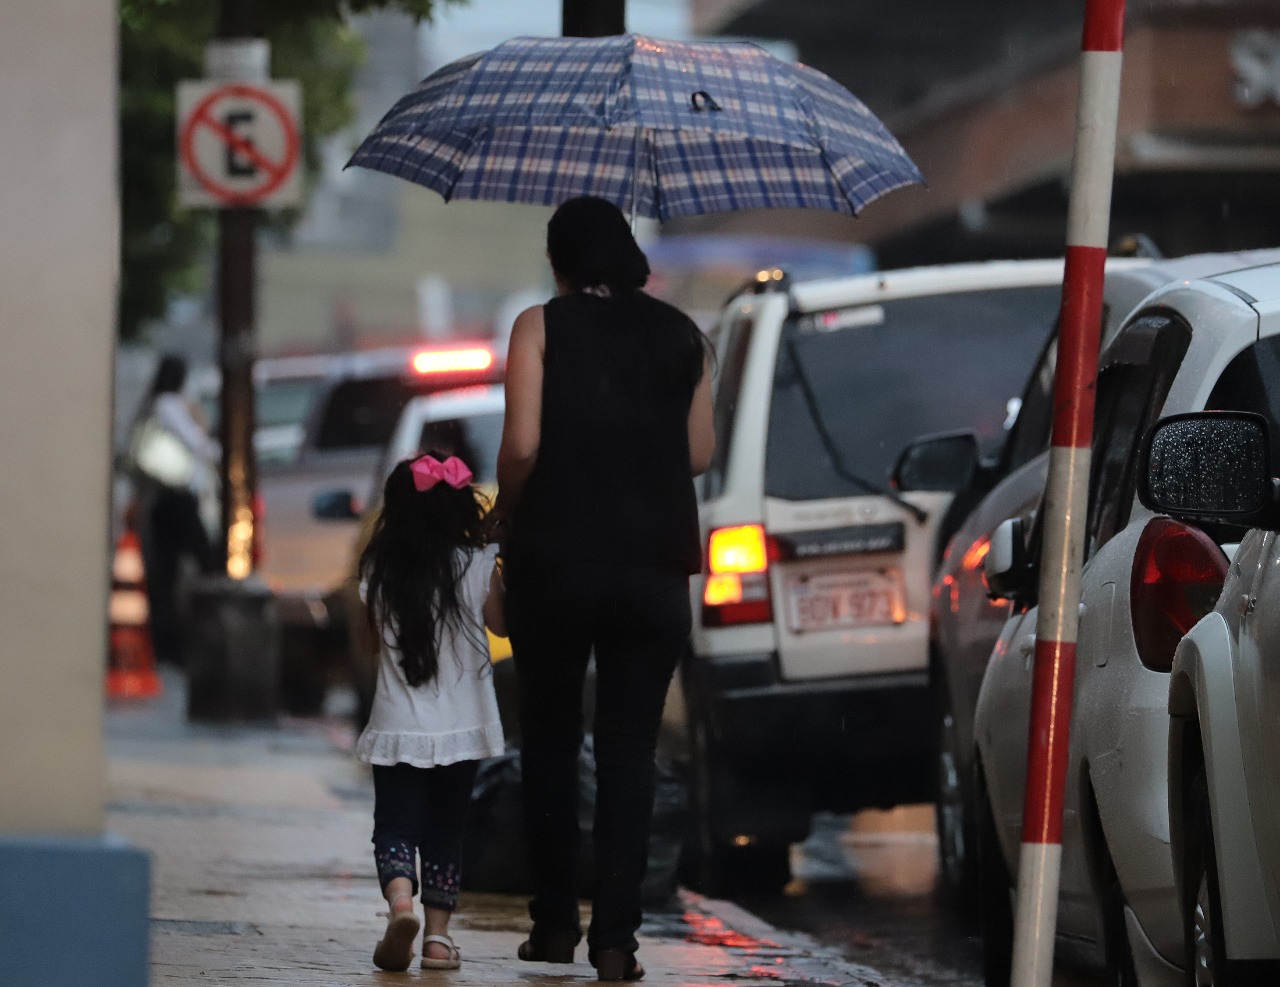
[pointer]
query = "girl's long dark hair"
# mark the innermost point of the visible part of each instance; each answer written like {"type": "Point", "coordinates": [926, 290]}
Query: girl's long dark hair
{"type": "Point", "coordinates": [412, 568]}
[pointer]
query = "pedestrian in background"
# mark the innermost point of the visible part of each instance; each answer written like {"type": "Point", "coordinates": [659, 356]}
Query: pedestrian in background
{"type": "Point", "coordinates": [172, 460]}
{"type": "Point", "coordinates": [608, 419]}
{"type": "Point", "coordinates": [424, 579]}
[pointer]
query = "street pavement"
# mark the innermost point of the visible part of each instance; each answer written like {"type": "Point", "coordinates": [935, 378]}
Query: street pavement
{"type": "Point", "coordinates": [262, 874]}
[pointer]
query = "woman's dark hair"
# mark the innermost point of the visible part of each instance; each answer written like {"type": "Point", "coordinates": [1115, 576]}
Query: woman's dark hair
{"type": "Point", "coordinates": [412, 568]}
{"type": "Point", "coordinates": [171, 374]}
{"type": "Point", "coordinates": [590, 244]}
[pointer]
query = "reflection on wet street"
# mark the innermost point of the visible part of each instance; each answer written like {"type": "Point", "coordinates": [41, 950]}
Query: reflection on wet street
{"type": "Point", "coordinates": [866, 885]}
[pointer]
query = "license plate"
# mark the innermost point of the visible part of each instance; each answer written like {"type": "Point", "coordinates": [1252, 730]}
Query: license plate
{"type": "Point", "coordinates": [845, 599]}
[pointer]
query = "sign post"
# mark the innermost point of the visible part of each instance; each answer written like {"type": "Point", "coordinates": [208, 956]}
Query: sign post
{"type": "Point", "coordinates": [1066, 495]}
{"type": "Point", "coordinates": [592, 18]}
{"type": "Point", "coordinates": [239, 149]}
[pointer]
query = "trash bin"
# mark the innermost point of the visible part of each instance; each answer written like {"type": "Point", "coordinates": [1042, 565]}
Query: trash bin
{"type": "Point", "coordinates": [231, 650]}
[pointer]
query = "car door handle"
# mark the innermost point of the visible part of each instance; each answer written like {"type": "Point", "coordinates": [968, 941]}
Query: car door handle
{"type": "Point", "coordinates": [1028, 646]}
{"type": "Point", "coordinates": [1247, 604]}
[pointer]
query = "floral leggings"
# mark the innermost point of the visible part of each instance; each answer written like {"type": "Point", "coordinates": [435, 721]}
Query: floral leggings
{"type": "Point", "coordinates": [422, 809]}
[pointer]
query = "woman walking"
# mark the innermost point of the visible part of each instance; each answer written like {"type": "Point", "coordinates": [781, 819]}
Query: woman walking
{"type": "Point", "coordinates": [174, 483]}
{"type": "Point", "coordinates": [608, 420]}
{"type": "Point", "coordinates": [425, 577]}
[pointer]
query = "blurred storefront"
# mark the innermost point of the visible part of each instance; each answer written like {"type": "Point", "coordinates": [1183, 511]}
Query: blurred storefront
{"type": "Point", "coordinates": [983, 92]}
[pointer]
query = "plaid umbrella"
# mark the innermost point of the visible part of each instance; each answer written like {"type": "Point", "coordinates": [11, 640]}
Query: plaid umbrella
{"type": "Point", "coordinates": [663, 128]}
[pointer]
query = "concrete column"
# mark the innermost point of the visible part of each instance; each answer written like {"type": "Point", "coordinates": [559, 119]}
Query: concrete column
{"type": "Point", "coordinates": [59, 248]}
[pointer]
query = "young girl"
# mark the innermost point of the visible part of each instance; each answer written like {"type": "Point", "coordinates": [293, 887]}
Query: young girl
{"type": "Point", "coordinates": [424, 578]}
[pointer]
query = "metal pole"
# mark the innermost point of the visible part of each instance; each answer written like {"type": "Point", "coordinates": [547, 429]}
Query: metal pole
{"type": "Point", "coordinates": [236, 270]}
{"type": "Point", "coordinates": [592, 18]}
{"type": "Point", "coordinates": [236, 309]}
{"type": "Point", "coordinates": [1066, 496]}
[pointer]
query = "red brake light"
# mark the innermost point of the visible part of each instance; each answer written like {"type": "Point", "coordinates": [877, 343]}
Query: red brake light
{"type": "Point", "coordinates": [471, 359]}
{"type": "Point", "coordinates": [1177, 578]}
{"type": "Point", "coordinates": [737, 587]}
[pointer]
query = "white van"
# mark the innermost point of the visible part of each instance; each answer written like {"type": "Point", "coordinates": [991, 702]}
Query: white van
{"type": "Point", "coordinates": [808, 685]}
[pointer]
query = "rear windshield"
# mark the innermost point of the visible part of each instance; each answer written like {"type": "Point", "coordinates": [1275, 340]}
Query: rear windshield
{"type": "Point", "coordinates": [474, 440]}
{"type": "Point", "coordinates": [881, 375]}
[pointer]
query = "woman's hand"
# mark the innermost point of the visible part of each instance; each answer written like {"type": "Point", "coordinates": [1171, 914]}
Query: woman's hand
{"type": "Point", "coordinates": [495, 604]}
{"type": "Point", "coordinates": [496, 526]}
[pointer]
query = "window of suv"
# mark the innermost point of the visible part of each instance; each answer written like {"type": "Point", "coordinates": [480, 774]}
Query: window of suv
{"type": "Point", "coordinates": [732, 368]}
{"type": "Point", "coordinates": [474, 439]}
{"type": "Point", "coordinates": [882, 375]}
{"type": "Point", "coordinates": [362, 413]}
{"type": "Point", "coordinates": [286, 401]}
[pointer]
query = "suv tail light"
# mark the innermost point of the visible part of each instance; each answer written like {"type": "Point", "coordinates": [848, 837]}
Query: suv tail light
{"type": "Point", "coordinates": [737, 587]}
{"type": "Point", "coordinates": [445, 361]}
{"type": "Point", "coordinates": [1177, 578]}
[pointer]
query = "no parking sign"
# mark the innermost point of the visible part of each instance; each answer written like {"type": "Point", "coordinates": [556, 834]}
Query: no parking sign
{"type": "Point", "coordinates": [239, 144]}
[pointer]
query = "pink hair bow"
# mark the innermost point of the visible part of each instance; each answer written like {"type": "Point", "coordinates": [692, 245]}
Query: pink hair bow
{"type": "Point", "coordinates": [428, 471]}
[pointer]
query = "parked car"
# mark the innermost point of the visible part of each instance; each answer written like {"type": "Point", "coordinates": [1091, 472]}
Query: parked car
{"type": "Point", "coordinates": [1224, 696]}
{"type": "Point", "coordinates": [467, 423]}
{"type": "Point", "coordinates": [1146, 581]}
{"type": "Point", "coordinates": [965, 621]}
{"type": "Point", "coordinates": [285, 390]}
{"type": "Point", "coordinates": [306, 558]}
{"type": "Point", "coordinates": [807, 685]}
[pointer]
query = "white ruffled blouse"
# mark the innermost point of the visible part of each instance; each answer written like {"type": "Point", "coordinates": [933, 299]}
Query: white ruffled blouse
{"type": "Point", "coordinates": [454, 717]}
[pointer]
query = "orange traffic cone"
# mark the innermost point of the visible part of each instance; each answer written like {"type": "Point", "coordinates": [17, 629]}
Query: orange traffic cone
{"type": "Point", "coordinates": [131, 667]}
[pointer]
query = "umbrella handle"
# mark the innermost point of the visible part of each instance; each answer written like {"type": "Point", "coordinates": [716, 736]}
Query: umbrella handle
{"type": "Point", "coordinates": [702, 100]}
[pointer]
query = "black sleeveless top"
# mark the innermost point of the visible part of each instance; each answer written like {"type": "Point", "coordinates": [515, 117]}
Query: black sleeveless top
{"type": "Point", "coordinates": [613, 480]}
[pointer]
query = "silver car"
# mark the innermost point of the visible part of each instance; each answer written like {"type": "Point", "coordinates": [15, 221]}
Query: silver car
{"type": "Point", "coordinates": [1146, 581]}
{"type": "Point", "coordinates": [965, 622]}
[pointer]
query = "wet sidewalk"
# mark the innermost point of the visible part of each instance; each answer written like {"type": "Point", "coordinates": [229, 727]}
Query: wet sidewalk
{"type": "Point", "coordinates": [262, 874]}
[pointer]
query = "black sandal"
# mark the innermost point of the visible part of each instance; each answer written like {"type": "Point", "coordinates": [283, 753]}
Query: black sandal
{"type": "Point", "coordinates": [554, 947]}
{"type": "Point", "coordinates": [614, 964]}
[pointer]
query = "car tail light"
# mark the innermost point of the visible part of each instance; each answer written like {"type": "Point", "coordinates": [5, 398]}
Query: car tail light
{"type": "Point", "coordinates": [737, 587]}
{"type": "Point", "coordinates": [451, 361]}
{"type": "Point", "coordinates": [1177, 578]}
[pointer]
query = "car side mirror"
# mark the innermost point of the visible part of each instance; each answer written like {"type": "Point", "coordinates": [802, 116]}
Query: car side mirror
{"type": "Point", "coordinates": [335, 505]}
{"type": "Point", "coordinates": [1008, 568]}
{"type": "Point", "coordinates": [945, 463]}
{"type": "Point", "coordinates": [1210, 466]}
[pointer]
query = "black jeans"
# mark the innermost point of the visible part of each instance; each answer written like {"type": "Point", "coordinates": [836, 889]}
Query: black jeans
{"type": "Point", "coordinates": [637, 620]}
{"type": "Point", "coordinates": [175, 530]}
{"type": "Point", "coordinates": [423, 809]}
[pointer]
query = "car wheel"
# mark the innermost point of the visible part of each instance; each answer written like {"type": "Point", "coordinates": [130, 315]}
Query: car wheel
{"type": "Point", "coordinates": [1201, 906]}
{"type": "Point", "coordinates": [1120, 970]}
{"type": "Point", "coordinates": [710, 862]}
{"type": "Point", "coordinates": [953, 812]}
{"type": "Point", "coordinates": [995, 904]}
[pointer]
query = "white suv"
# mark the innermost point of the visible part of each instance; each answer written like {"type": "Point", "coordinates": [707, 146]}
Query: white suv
{"type": "Point", "coordinates": [807, 687]}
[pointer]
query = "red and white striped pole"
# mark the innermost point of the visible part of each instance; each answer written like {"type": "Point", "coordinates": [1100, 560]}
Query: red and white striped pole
{"type": "Point", "coordinates": [1066, 496]}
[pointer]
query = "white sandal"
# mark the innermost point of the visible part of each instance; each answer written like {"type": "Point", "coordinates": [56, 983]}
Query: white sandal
{"type": "Point", "coordinates": [454, 961]}
{"type": "Point", "coordinates": [394, 951]}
